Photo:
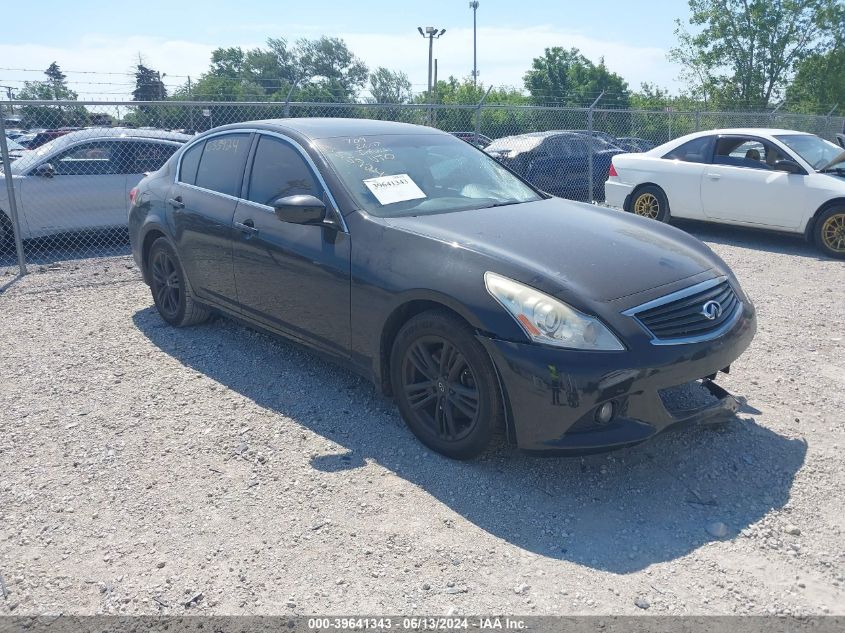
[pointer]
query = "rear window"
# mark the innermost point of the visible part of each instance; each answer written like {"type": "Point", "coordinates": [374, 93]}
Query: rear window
{"type": "Point", "coordinates": [698, 150]}
{"type": "Point", "coordinates": [150, 156]}
{"type": "Point", "coordinates": [222, 164]}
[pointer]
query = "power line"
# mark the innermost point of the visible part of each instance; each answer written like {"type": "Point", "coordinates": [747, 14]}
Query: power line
{"type": "Point", "coordinates": [80, 72]}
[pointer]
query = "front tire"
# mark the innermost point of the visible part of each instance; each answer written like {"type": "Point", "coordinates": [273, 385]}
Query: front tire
{"type": "Point", "coordinates": [650, 202]}
{"type": "Point", "coordinates": [171, 293]}
{"type": "Point", "coordinates": [445, 385]}
{"type": "Point", "coordinates": [829, 232]}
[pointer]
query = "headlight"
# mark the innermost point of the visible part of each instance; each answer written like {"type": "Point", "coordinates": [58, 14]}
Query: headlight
{"type": "Point", "coordinates": [548, 320]}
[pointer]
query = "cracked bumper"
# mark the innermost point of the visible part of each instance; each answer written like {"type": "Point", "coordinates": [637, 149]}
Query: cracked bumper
{"type": "Point", "coordinates": [553, 395]}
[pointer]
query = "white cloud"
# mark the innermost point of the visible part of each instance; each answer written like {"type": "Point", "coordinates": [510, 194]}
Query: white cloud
{"type": "Point", "coordinates": [504, 54]}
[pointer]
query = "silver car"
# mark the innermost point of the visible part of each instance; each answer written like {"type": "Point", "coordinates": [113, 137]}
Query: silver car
{"type": "Point", "coordinates": [81, 181]}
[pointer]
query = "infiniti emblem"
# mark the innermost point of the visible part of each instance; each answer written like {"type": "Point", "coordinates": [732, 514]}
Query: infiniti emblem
{"type": "Point", "coordinates": [711, 310]}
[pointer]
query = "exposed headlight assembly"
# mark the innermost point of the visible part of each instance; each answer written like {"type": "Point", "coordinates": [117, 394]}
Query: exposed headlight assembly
{"type": "Point", "coordinates": [548, 320]}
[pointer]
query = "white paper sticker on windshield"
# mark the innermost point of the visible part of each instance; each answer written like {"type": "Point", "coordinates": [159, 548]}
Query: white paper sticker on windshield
{"type": "Point", "coordinates": [397, 188]}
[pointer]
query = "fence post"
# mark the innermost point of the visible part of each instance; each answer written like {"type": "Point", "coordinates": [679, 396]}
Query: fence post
{"type": "Point", "coordinates": [698, 120]}
{"type": "Point", "coordinates": [287, 100]}
{"type": "Point", "coordinates": [774, 112]}
{"type": "Point", "coordinates": [478, 114]}
{"type": "Point", "coordinates": [829, 123]}
{"type": "Point", "coordinates": [591, 156]}
{"type": "Point", "coordinates": [10, 190]}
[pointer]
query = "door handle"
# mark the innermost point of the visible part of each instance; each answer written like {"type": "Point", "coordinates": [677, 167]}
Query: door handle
{"type": "Point", "coordinates": [176, 202]}
{"type": "Point", "coordinates": [714, 176]}
{"type": "Point", "coordinates": [247, 226]}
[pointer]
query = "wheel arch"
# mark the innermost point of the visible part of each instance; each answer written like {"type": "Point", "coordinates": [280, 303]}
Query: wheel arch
{"type": "Point", "coordinates": [630, 199]}
{"type": "Point", "coordinates": [410, 307]}
{"type": "Point", "coordinates": [150, 236]}
{"type": "Point", "coordinates": [811, 224]}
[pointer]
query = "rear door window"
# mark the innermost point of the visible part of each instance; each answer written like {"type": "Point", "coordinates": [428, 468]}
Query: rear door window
{"type": "Point", "coordinates": [698, 150]}
{"type": "Point", "coordinates": [222, 163]}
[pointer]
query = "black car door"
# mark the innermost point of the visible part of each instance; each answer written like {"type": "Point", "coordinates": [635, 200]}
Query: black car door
{"type": "Point", "coordinates": [292, 277]}
{"type": "Point", "coordinates": [203, 201]}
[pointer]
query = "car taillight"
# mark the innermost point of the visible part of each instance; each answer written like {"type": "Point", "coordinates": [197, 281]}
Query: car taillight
{"type": "Point", "coordinates": [132, 193]}
{"type": "Point", "coordinates": [612, 171]}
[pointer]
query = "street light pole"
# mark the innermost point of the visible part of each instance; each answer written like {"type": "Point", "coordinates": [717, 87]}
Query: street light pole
{"type": "Point", "coordinates": [431, 33]}
{"type": "Point", "coordinates": [474, 6]}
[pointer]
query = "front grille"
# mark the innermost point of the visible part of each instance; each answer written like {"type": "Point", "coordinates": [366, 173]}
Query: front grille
{"type": "Point", "coordinates": [681, 315]}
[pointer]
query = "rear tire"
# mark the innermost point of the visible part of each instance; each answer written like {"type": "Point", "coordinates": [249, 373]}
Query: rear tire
{"type": "Point", "coordinates": [171, 294]}
{"type": "Point", "coordinates": [650, 202]}
{"type": "Point", "coordinates": [829, 232]}
{"type": "Point", "coordinates": [445, 385]}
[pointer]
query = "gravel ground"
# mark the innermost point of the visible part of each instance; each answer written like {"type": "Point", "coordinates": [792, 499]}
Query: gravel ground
{"type": "Point", "coordinates": [145, 469]}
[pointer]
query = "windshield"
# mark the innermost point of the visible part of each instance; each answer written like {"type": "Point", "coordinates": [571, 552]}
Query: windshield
{"type": "Point", "coordinates": [812, 149]}
{"type": "Point", "coordinates": [420, 174]}
{"type": "Point", "coordinates": [13, 146]}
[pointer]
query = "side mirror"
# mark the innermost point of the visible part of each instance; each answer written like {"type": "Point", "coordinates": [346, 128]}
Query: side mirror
{"type": "Point", "coordinates": [840, 138]}
{"type": "Point", "coordinates": [789, 166]}
{"type": "Point", "coordinates": [45, 170]}
{"type": "Point", "coordinates": [301, 209]}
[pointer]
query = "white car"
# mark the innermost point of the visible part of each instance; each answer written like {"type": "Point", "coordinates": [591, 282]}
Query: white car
{"type": "Point", "coordinates": [773, 179]}
{"type": "Point", "coordinates": [81, 181]}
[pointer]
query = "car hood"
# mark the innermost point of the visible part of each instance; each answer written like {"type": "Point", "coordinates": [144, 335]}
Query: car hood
{"type": "Point", "coordinates": [590, 251]}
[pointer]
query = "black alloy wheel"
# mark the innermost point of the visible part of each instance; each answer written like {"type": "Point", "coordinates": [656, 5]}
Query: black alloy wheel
{"type": "Point", "coordinates": [170, 290]}
{"type": "Point", "coordinates": [440, 388]}
{"type": "Point", "coordinates": [445, 385]}
{"type": "Point", "coordinates": [166, 287]}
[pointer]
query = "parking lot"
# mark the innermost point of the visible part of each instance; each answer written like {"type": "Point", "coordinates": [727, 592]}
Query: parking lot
{"type": "Point", "coordinates": [214, 469]}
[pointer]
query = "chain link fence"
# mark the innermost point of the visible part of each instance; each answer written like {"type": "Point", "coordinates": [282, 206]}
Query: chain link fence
{"type": "Point", "coordinates": [68, 167]}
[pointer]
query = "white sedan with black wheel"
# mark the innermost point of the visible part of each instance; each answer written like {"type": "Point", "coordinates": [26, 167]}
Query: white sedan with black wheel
{"type": "Point", "coordinates": [779, 180]}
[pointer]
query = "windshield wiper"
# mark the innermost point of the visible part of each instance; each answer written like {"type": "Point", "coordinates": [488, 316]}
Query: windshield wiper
{"type": "Point", "coordinates": [502, 204]}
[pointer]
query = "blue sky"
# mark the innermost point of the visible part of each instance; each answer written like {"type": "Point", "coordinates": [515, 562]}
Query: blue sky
{"type": "Point", "coordinates": [177, 37]}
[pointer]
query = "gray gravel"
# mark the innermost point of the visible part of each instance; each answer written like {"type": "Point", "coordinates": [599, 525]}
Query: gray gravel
{"type": "Point", "coordinates": [145, 469]}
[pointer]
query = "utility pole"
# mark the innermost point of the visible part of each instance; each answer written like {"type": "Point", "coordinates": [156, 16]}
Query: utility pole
{"type": "Point", "coordinates": [434, 112]}
{"type": "Point", "coordinates": [11, 96]}
{"type": "Point", "coordinates": [474, 6]}
{"type": "Point", "coordinates": [431, 33]}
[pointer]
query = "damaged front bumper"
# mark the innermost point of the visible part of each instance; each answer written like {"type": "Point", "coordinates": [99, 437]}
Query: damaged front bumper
{"type": "Point", "coordinates": [555, 397]}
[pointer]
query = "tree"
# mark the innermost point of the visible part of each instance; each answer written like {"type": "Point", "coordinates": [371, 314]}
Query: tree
{"type": "Point", "coordinates": [315, 70]}
{"type": "Point", "coordinates": [566, 78]}
{"type": "Point", "coordinates": [387, 86]}
{"type": "Point", "coordinates": [55, 76]}
{"type": "Point", "coordinates": [328, 62]}
{"type": "Point", "coordinates": [744, 51]}
{"type": "Point", "coordinates": [466, 95]}
{"type": "Point", "coordinates": [54, 88]}
{"type": "Point", "coordinates": [148, 87]}
{"type": "Point", "coordinates": [819, 83]}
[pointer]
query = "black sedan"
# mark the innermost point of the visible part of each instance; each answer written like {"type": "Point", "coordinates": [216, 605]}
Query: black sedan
{"type": "Point", "coordinates": [481, 304]}
{"type": "Point", "coordinates": [558, 161]}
